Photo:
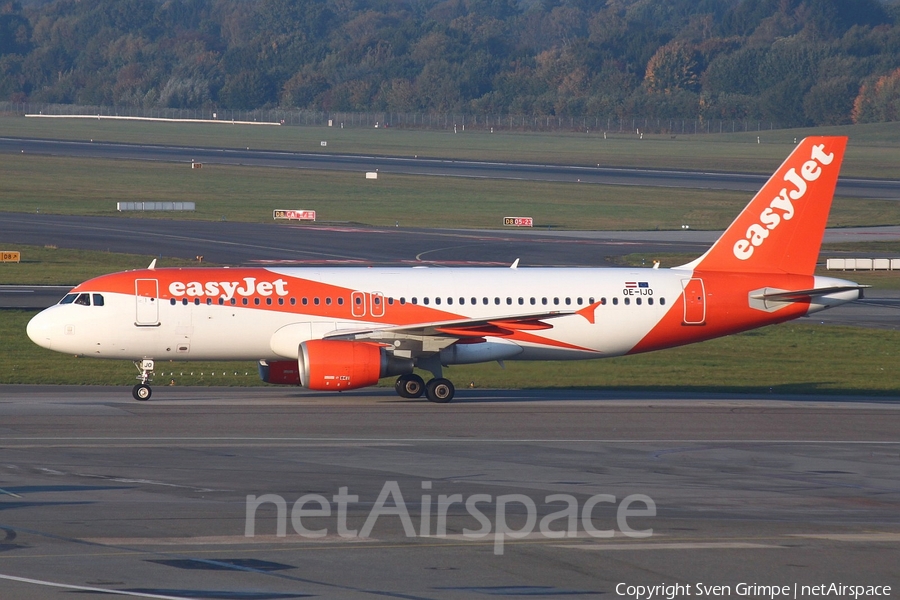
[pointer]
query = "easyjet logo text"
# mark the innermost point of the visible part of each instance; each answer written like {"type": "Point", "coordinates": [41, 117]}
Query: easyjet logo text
{"type": "Point", "coordinates": [781, 208]}
{"type": "Point", "coordinates": [249, 286]}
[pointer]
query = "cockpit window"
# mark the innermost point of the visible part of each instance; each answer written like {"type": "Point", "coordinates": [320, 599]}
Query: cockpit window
{"type": "Point", "coordinates": [83, 299]}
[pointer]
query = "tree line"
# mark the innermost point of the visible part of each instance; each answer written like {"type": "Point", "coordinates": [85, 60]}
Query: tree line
{"type": "Point", "coordinates": [793, 62]}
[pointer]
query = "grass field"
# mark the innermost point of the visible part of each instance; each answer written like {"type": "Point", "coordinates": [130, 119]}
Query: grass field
{"type": "Point", "coordinates": [874, 150]}
{"type": "Point", "coordinates": [49, 265]}
{"type": "Point", "coordinates": [90, 187]}
{"type": "Point", "coordinates": [789, 358]}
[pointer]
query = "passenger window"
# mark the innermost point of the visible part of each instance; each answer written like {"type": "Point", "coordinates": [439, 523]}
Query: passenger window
{"type": "Point", "coordinates": [484, 301]}
{"type": "Point", "coordinates": [68, 299]}
{"type": "Point", "coordinates": [449, 301]}
{"type": "Point", "coordinates": [256, 301]}
{"type": "Point", "coordinates": [414, 300]}
{"type": "Point", "coordinates": [184, 301]}
{"type": "Point", "coordinates": [83, 299]}
{"type": "Point", "coordinates": [233, 301]}
{"type": "Point", "coordinates": [425, 301]}
{"type": "Point", "coordinates": [603, 301]}
{"type": "Point", "coordinates": [650, 301]}
{"type": "Point", "coordinates": [316, 301]}
{"type": "Point", "coordinates": [508, 300]}
{"type": "Point", "coordinates": [305, 301]}
{"type": "Point", "coordinates": [615, 301]}
{"type": "Point", "coordinates": [556, 301]}
{"type": "Point", "coordinates": [437, 300]}
{"type": "Point", "coordinates": [544, 301]}
{"type": "Point", "coordinates": [627, 301]}
{"type": "Point", "coordinates": [221, 301]}
{"type": "Point", "coordinates": [637, 301]}
{"type": "Point", "coordinates": [474, 301]}
{"type": "Point", "coordinates": [98, 299]}
{"type": "Point", "coordinates": [497, 301]}
{"type": "Point", "coordinates": [402, 300]}
{"type": "Point", "coordinates": [244, 301]}
{"type": "Point", "coordinates": [293, 301]}
{"type": "Point", "coordinates": [341, 301]}
{"type": "Point", "coordinates": [662, 301]}
{"type": "Point", "coordinates": [533, 301]}
{"type": "Point", "coordinates": [281, 302]}
{"type": "Point", "coordinates": [568, 301]}
{"type": "Point", "coordinates": [172, 301]}
{"type": "Point", "coordinates": [578, 302]}
{"type": "Point", "coordinates": [209, 301]}
{"type": "Point", "coordinates": [328, 301]}
{"type": "Point", "coordinates": [196, 301]}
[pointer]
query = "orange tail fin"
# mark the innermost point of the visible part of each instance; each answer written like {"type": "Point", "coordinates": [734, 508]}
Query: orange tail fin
{"type": "Point", "coordinates": [781, 230]}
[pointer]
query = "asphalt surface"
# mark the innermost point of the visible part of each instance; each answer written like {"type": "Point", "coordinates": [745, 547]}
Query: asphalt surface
{"type": "Point", "coordinates": [104, 495]}
{"type": "Point", "coordinates": [856, 188]}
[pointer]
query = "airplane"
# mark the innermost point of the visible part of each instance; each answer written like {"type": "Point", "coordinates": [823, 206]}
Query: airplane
{"type": "Point", "coordinates": [342, 328]}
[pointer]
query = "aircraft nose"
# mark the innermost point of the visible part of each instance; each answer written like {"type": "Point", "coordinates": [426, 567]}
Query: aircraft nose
{"type": "Point", "coordinates": [39, 329]}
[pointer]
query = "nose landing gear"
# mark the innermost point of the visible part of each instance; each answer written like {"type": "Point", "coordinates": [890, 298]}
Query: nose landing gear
{"type": "Point", "coordinates": [142, 391]}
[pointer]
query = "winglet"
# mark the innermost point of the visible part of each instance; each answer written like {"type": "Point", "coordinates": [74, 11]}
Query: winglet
{"type": "Point", "coordinates": [515, 264]}
{"type": "Point", "coordinates": [781, 229]}
{"type": "Point", "coordinates": [152, 265]}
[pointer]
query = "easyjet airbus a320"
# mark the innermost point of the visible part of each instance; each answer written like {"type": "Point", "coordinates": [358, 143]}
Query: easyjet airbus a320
{"type": "Point", "coordinates": [345, 328]}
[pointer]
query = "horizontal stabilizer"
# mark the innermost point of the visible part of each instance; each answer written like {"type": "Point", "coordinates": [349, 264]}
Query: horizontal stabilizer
{"type": "Point", "coordinates": [803, 295]}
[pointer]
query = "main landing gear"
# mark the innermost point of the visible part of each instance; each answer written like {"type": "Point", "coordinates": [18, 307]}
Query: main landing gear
{"type": "Point", "coordinates": [142, 391]}
{"type": "Point", "coordinates": [438, 390]}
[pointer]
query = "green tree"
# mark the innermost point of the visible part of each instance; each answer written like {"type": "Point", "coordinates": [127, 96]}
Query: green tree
{"type": "Point", "coordinates": [15, 30]}
{"type": "Point", "coordinates": [675, 66]}
{"type": "Point", "coordinates": [878, 101]}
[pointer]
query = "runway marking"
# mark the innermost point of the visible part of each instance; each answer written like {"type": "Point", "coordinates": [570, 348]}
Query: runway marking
{"type": "Point", "coordinates": [852, 537]}
{"type": "Point", "coordinates": [82, 588]}
{"type": "Point", "coordinates": [671, 546]}
{"type": "Point", "coordinates": [317, 440]}
{"type": "Point", "coordinates": [229, 540]}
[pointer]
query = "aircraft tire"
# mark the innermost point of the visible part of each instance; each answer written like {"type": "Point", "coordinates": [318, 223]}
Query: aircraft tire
{"type": "Point", "coordinates": [410, 386]}
{"type": "Point", "coordinates": [439, 390]}
{"type": "Point", "coordinates": [141, 392]}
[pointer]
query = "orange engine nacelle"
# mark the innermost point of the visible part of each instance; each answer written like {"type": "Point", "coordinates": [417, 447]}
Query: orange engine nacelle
{"type": "Point", "coordinates": [340, 365]}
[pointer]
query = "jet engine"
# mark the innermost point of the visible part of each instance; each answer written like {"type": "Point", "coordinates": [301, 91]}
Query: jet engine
{"type": "Point", "coordinates": [343, 365]}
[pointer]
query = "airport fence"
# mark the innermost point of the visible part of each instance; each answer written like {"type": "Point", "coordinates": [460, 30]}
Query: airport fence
{"type": "Point", "coordinates": [411, 120]}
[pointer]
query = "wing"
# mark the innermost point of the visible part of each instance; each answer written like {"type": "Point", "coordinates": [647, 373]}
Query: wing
{"type": "Point", "coordinates": [426, 338]}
